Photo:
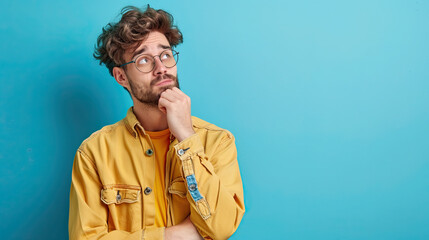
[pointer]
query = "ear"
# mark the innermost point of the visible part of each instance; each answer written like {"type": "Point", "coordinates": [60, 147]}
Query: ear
{"type": "Point", "coordinates": [120, 77]}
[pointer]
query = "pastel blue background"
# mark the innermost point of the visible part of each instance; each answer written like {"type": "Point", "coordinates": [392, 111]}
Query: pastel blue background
{"type": "Point", "coordinates": [328, 101]}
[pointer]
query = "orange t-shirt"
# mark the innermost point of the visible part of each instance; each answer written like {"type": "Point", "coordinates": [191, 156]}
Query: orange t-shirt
{"type": "Point", "coordinates": [161, 142]}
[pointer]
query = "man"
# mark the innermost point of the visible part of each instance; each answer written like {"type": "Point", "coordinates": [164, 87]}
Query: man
{"type": "Point", "coordinates": [158, 173]}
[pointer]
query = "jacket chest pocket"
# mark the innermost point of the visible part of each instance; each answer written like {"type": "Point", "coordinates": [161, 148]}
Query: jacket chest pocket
{"type": "Point", "coordinates": [125, 206]}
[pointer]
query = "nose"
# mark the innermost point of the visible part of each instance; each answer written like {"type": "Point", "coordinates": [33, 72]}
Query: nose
{"type": "Point", "coordinates": [159, 68]}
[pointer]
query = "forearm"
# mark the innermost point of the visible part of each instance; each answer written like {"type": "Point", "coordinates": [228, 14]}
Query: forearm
{"type": "Point", "coordinates": [215, 192]}
{"type": "Point", "coordinates": [185, 230]}
{"type": "Point", "coordinates": [225, 210]}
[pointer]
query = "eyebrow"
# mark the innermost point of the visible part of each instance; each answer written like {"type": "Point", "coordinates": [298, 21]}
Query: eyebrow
{"type": "Point", "coordinates": [144, 49]}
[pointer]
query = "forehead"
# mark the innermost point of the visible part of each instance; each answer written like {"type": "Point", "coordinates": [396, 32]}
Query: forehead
{"type": "Point", "coordinates": [154, 43]}
{"type": "Point", "coordinates": [153, 39]}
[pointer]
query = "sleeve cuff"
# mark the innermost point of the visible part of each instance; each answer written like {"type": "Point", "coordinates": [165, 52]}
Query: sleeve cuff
{"type": "Point", "coordinates": [189, 147]}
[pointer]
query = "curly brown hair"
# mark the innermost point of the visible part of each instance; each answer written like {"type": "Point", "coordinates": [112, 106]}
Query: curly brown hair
{"type": "Point", "coordinates": [130, 31]}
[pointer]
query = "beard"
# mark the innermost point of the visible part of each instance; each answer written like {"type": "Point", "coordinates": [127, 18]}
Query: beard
{"type": "Point", "coordinates": [147, 95]}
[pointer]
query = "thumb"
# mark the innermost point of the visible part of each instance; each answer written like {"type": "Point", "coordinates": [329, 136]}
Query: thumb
{"type": "Point", "coordinates": [161, 107]}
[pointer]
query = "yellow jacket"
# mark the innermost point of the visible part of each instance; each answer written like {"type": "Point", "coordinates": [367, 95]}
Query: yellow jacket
{"type": "Point", "coordinates": [114, 172]}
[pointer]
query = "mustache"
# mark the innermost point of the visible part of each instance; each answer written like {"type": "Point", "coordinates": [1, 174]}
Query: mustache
{"type": "Point", "coordinates": [162, 77]}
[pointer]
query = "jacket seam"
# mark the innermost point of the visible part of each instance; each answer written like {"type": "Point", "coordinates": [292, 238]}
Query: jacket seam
{"type": "Point", "coordinates": [103, 130]}
{"type": "Point", "coordinates": [85, 155]}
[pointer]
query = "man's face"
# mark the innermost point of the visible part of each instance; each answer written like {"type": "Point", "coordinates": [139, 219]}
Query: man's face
{"type": "Point", "coordinates": [147, 87]}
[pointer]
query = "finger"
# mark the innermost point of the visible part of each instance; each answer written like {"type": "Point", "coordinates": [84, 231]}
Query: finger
{"type": "Point", "coordinates": [177, 95]}
{"type": "Point", "coordinates": [163, 105]}
{"type": "Point", "coordinates": [162, 109]}
{"type": "Point", "coordinates": [169, 95]}
{"type": "Point", "coordinates": [180, 93]}
{"type": "Point", "coordinates": [176, 92]}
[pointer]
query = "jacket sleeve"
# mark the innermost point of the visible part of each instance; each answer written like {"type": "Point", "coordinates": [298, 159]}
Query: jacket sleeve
{"type": "Point", "coordinates": [87, 214]}
{"type": "Point", "coordinates": [214, 186]}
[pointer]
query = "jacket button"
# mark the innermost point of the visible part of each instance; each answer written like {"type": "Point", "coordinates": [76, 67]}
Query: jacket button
{"type": "Point", "coordinates": [192, 187]}
{"type": "Point", "coordinates": [147, 190]}
{"type": "Point", "coordinates": [180, 152]}
{"type": "Point", "coordinates": [149, 152]}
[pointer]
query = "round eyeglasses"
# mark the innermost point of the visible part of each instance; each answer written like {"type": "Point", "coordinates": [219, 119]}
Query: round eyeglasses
{"type": "Point", "coordinates": [146, 63]}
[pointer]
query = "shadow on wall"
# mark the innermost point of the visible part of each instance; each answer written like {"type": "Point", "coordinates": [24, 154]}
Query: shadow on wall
{"type": "Point", "coordinates": [74, 109]}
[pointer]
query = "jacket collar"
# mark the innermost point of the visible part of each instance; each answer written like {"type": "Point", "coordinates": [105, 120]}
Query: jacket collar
{"type": "Point", "coordinates": [131, 123]}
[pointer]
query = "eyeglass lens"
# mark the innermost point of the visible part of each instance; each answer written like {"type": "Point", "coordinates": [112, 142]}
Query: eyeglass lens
{"type": "Point", "coordinates": [146, 63]}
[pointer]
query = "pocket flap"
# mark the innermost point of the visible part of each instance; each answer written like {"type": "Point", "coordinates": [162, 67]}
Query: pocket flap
{"type": "Point", "coordinates": [120, 194]}
{"type": "Point", "coordinates": [178, 187]}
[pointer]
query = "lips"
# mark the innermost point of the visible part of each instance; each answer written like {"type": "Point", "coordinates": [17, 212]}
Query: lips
{"type": "Point", "coordinates": [164, 82]}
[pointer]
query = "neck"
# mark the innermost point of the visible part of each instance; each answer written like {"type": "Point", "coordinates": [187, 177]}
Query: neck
{"type": "Point", "coordinates": [150, 117]}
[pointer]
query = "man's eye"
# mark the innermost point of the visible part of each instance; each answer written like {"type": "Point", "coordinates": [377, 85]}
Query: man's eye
{"type": "Point", "coordinates": [166, 56]}
{"type": "Point", "coordinates": [143, 60]}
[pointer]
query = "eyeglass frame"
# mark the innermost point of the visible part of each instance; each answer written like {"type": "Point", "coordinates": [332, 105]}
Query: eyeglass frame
{"type": "Point", "coordinates": [153, 57]}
